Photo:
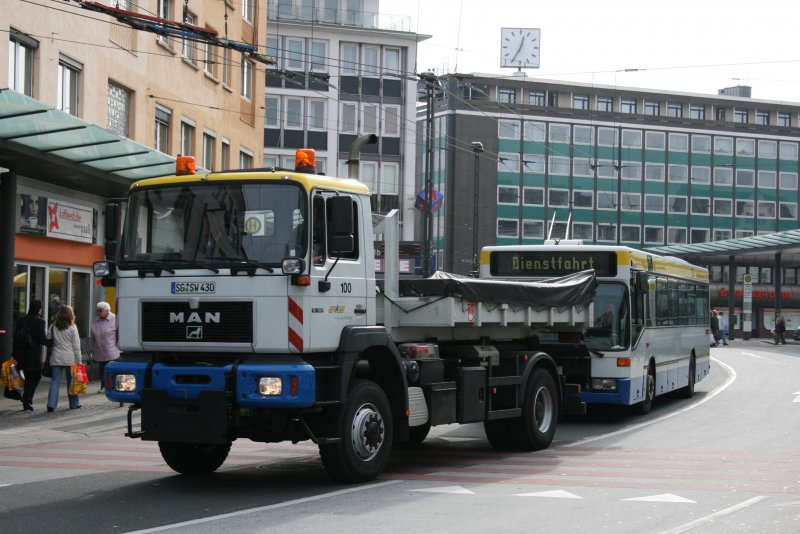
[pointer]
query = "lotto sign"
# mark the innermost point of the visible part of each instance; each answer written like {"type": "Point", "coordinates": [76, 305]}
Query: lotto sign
{"type": "Point", "coordinates": [470, 311]}
{"type": "Point", "coordinates": [69, 221]}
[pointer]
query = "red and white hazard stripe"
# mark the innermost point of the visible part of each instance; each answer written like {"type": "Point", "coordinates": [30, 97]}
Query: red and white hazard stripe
{"type": "Point", "coordinates": [295, 326]}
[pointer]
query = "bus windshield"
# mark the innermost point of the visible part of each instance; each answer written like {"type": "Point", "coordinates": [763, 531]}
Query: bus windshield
{"type": "Point", "coordinates": [215, 224]}
{"type": "Point", "coordinates": [611, 328]}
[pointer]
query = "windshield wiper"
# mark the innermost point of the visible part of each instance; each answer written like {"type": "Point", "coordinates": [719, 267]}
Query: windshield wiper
{"type": "Point", "coordinates": [249, 267]}
{"type": "Point", "coordinates": [156, 270]}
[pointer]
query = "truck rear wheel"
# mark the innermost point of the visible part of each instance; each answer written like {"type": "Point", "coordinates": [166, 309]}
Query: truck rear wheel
{"type": "Point", "coordinates": [194, 458]}
{"type": "Point", "coordinates": [540, 412]}
{"type": "Point", "coordinates": [503, 433]}
{"type": "Point", "coordinates": [365, 427]}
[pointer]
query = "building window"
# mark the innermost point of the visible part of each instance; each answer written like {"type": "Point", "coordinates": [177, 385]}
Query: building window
{"type": "Point", "coordinates": [723, 176]}
{"type": "Point", "coordinates": [226, 66]}
{"type": "Point", "coordinates": [697, 111]}
{"type": "Point", "coordinates": [783, 119]}
{"type": "Point", "coordinates": [630, 234]}
{"type": "Point", "coordinates": [391, 60]}
{"type": "Point", "coordinates": [187, 46]}
{"type": "Point", "coordinates": [701, 144]}
{"type": "Point", "coordinates": [606, 200]}
{"type": "Point", "coordinates": [371, 61]}
{"type": "Point", "coordinates": [605, 103]}
{"type": "Point", "coordinates": [701, 175]}
{"type": "Point", "coordinates": [348, 118]}
{"type": "Point", "coordinates": [583, 135]}
{"type": "Point", "coordinates": [723, 206]}
{"type": "Point", "coordinates": [389, 178]}
{"type": "Point", "coordinates": [349, 59]}
{"type": "Point", "coordinates": [722, 235]}
{"type": "Point", "coordinates": [631, 170]}
{"type": "Point", "coordinates": [225, 154]}
{"type": "Point", "coordinates": [210, 60]}
{"type": "Point", "coordinates": [678, 173]}
{"type": "Point", "coordinates": [582, 199]}
{"type": "Point", "coordinates": [507, 162]}
{"type": "Point", "coordinates": [508, 129]}
{"type": "Point", "coordinates": [674, 109]}
{"type": "Point", "coordinates": [532, 229]}
{"type": "Point", "coordinates": [552, 99]}
{"type": "Point", "coordinates": [788, 210]}
{"type": "Point", "coordinates": [533, 163]}
{"type": "Point", "coordinates": [558, 198]}
{"type": "Point", "coordinates": [744, 208]}
{"type": "Point", "coordinates": [318, 56]}
{"type": "Point", "coordinates": [676, 204]}
{"type": "Point", "coordinates": [699, 235]}
{"type": "Point", "coordinates": [272, 112]}
{"type": "Point", "coordinates": [164, 10]}
{"type": "Point", "coordinates": [788, 181]}
{"type": "Point", "coordinates": [767, 149]}
{"type": "Point", "coordinates": [632, 202]}
{"type": "Point", "coordinates": [766, 179]}
{"type": "Point", "coordinates": [536, 98]}
{"type": "Point", "coordinates": [68, 71]}
{"type": "Point", "coordinates": [762, 117]}
{"type": "Point", "coordinates": [507, 95]}
{"type": "Point", "coordinates": [654, 172]}
{"type": "Point", "coordinates": [248, 10]}
{"type": "Point", "coordinates": [723, 146]}
{"type": "Point", "coordinates": [507, 194]}
{"type": "Point", "coordinates": [654, 203]}
{"type": "Point", "coordinates": [720, 114]}
{"type": "Point", "coordinates": [162, 127]}
{"type": "Point", "coordinates": [655, 140]}
{"type": "Point", "coordinates": [533, 196]}
{"type": "Point", "coordinates": [559, 133]}
{"type": "Point", "coordinates": [652, 108]}
{"type": "Point", "coordinates": [315, 113]}
{"type": "Point", "coordinates": [676, 235]}
{"type": "Point", "coordinates": [582, 167]}
{"type": "Point", "coordinates": [746, 147]}
{"type": "Point", "coordinates": [507, 228]}
{"type": "Point", "coordinates": [21, 49]}
{"type": "Point", "coordinates": [747, 178]}
{"type": "Point", "coordinates": [534, 131]}
{"type": "Point", "coordinates": [209, 147]}
{"type": "Point", "coordinates": [559, 165]}
{"type": "Point", "coordinates": [632, 138]}
{"type": "Point", "coordinates": [701, 206]}
{"type": "Point", "coordinates": [627, 105]}
{"type": "Point", "coordinates": [606, 232]}
{"type": "Point", "coordinates": [678, 142]}
{"type": "Point", "coordinates": [187, 138]}
{"type": "Point", "coordinates": [606, 168]}
{"type": "Point", "coordinates": [294, 54]}
{"type": "Point", "coordinates": [293, 118]}
{"type": "Point", "coordinates": [766, 210]}
{"type": "Point", "coordinates": [247, 79]}
{"type": "Point", "coordinates": [369, 118]}
{"type": "Point", "coordinates": [119, 103]}
{"type": "Point", "coordinates": [788, 151]}
{"type": "Point", "coordinates": [740, 115]}
{"type": "Point", "coordinates": [245, 159]}
{"type": "Point", "coordinates": [654, 234]}
{"type": "Point", "coordinates": [607, 136]}
{"type": "Point", "coordinates": [391, 121]}
{"type": "Point", "coordinates": [580, 102]}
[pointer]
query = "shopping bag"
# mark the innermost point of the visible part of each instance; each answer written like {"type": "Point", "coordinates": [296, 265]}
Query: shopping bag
{"type": "Point", "coordinates": [77, 388]}
{"type": "Point", "coordinates": [79, 373]}
{"type": "Point", "coordinates": [12, 378]}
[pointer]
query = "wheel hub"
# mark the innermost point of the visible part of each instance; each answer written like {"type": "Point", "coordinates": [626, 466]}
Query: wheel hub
{"type": "Point", "coordinates": [543, 410]}
{"type": "Point", "coordinates": [367, 432]}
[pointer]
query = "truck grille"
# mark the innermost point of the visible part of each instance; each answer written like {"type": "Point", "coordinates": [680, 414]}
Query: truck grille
{"type": "Point", "coordinates": [211, 322]}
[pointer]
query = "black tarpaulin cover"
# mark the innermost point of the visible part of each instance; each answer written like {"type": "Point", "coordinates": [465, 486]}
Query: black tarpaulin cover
{"type": "Point", "coordinates": [576, 289]}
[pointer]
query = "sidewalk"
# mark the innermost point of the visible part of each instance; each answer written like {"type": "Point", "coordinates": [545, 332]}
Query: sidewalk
{"type": "Point", "coordinates": [89, 400]}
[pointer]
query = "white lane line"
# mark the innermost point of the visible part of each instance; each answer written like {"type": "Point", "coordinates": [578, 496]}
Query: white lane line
{"type": "Point", "coordinates": [716, 515]}
{"type": "Point", "coordinates": [265, 508]}
{"type": "Point", "coordinates": [731, 378]}
{"type": "Point", "coordinates": [756, 356]}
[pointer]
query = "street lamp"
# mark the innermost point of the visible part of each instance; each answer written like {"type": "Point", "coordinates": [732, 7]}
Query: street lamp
{"type": "Point", "coordinates": [477, 148]}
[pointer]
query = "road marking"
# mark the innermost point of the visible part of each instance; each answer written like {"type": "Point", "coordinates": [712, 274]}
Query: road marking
{"type": "Point", "coordinates": [756, 356]}
{"type": "Point", "coordinates": [797, 399]}
{"type": "Point", "coordinates": [716, 515]}
{"type": "Point", "coordinates": [456, 490]}
{"type": "Point", "coordinates": [664, 497]}
{"type": "Point", "coordinates": [458, 440]}
{"type": "Point", "coordinates": [731, 378]}
{"type": "Point", "coordinates": [555, 494]}
{"type": "Point", "coordinates": [265, 508]}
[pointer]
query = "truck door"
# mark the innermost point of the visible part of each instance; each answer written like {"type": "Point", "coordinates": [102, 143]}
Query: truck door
{"type": "Point", "coordinates": [337, 296]}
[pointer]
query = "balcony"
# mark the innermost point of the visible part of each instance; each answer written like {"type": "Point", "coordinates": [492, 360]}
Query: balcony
{"type": "Point", "coordinates": [339, 17]}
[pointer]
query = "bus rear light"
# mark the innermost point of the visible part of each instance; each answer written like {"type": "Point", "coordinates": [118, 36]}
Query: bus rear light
{"type": "Point", "coordinates": [623, 362]}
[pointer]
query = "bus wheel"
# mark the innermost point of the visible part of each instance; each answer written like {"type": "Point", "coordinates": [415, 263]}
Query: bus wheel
{"type": "Point", "coordinates": [417, 434]}
{"type": "Point", "coordinates": [194, 458]}
{"type": "Point", "coordinates": [364, 427]}
{"type": "Point", "coordinates": [687, 391]}
{"type": "Point", "coordinates": [643, 408]}
{"type": "Point", "coordinates": [540, 412]}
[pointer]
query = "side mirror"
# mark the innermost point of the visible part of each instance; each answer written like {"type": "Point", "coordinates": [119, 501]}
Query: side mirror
{"type": "Point", "coordinates": [341, 238]}
{"type": "Point", "coordinates": [112, 229]}
{"type": "Point", "coordinates": [642, 283]}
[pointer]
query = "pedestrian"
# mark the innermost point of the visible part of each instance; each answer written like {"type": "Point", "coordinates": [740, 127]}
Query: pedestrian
{"type": "Point", "coordinates": [723, 327]}
{"type": "Point", "coordinates": [780, 329]}
{"type": "Point", "coordinates": [52, 310]}
{"type": "Point", "coordinates": [29, 354]}
{"type": "Point", "coordinates": [103, 339]}
{"type": "Point", "coordinates": [66, 352]}
{"type": "Point", "coordinates": [715, 327]}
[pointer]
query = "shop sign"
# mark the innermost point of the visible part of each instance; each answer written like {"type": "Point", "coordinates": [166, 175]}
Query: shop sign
{"type": "Point", "coordinates": [69, 221]}
{"type": "Point", "coordinates": [32, 214]}
{"type": "Point", "coordinates": [756, 294]}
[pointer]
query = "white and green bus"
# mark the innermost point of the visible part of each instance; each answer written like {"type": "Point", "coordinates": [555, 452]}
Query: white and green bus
{"type": "Point", "coordinates": [650, 332]}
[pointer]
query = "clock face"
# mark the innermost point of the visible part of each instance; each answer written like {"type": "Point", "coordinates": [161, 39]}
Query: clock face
{"type": "Point", "coordinates": [519, 47]}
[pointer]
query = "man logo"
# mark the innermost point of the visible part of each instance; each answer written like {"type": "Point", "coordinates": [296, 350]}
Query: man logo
{"type": "Point", "coordinates": [194, 332]}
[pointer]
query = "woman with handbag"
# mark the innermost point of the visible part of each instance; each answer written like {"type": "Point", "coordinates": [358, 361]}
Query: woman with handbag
{"type": "Point", "coordinates": [66, 352]}
{"type": "Point", "coordinates": [29, 353]}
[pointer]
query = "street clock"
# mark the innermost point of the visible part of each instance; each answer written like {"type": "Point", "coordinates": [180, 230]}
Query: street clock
{"type": "Point", "coordinates": [519, 47]}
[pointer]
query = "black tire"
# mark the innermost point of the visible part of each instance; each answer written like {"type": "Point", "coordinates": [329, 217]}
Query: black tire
{"type": "Point", "coordinates": [417, 434]}
{"type": "Point", "coordinates": [687, 391]}
{"type": "Point", "coordinates": [194, 458]}
{"type": "Point", "coordinates": [644, 407]}
{"type": "Point", "coordinates": [364, 425]}
{"type": "Point", "coordinates": [540, 412]}
{"type": "Point", "coordinates": [503, 433]}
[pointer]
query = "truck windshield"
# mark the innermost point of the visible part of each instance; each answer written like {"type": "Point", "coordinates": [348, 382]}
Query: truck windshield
{"type": "Point", "coordinates": [611, 328]}
{"type": "Point", "coordinates": [215, 224]}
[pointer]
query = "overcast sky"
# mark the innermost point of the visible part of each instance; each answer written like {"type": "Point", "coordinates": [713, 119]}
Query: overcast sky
{"type": "Point", "coordinates": [696, 46]}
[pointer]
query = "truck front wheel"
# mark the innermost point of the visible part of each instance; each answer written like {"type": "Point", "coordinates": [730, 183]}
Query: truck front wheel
{"type": "Point", "coordinates": [364, 427]}
{"type": "Point", "coordinates": [194, 458]}
{"type": "Point", "coordinates": [540, 413]}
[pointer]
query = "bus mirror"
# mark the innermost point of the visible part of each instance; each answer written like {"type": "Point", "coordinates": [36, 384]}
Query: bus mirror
{"type": "Point", "coordinates": [642, 283]}
{"type": "Point", "coordinates": [341, 238]}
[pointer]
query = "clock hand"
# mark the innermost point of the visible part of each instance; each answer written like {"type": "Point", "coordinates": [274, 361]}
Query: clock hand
{"type": "Point", "coordinates": [522, 42]}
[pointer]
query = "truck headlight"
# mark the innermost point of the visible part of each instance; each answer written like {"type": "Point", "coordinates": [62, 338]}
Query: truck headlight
{"type": "Point", "coordinates": [604, 384]}
{"type": "Point", "coordinates": [125, 382]}
{"type": "Point", "coordinates": [270, 385]}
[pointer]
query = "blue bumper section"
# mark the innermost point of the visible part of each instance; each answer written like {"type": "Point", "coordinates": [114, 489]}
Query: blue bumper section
{"type": "Point", "coordinates": [187, 382]}
{"type": "Point", "coordinates": [621, 396]}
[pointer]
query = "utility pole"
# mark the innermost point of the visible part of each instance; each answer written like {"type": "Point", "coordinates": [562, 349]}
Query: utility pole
{"type": "Point", "coordinates": [430, 79]}
{"type": "Point", "coordinates": [477, 148]}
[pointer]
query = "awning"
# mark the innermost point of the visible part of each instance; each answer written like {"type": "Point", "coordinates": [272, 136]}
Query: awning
{"type": "Point", "coordinates": [786, 241]}
{"type": "Point", "coordinates": [53, 146]}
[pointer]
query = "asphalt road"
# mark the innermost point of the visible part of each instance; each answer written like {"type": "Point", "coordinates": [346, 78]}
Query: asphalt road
{"type": "Point", "coordinates": [726, 460]}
